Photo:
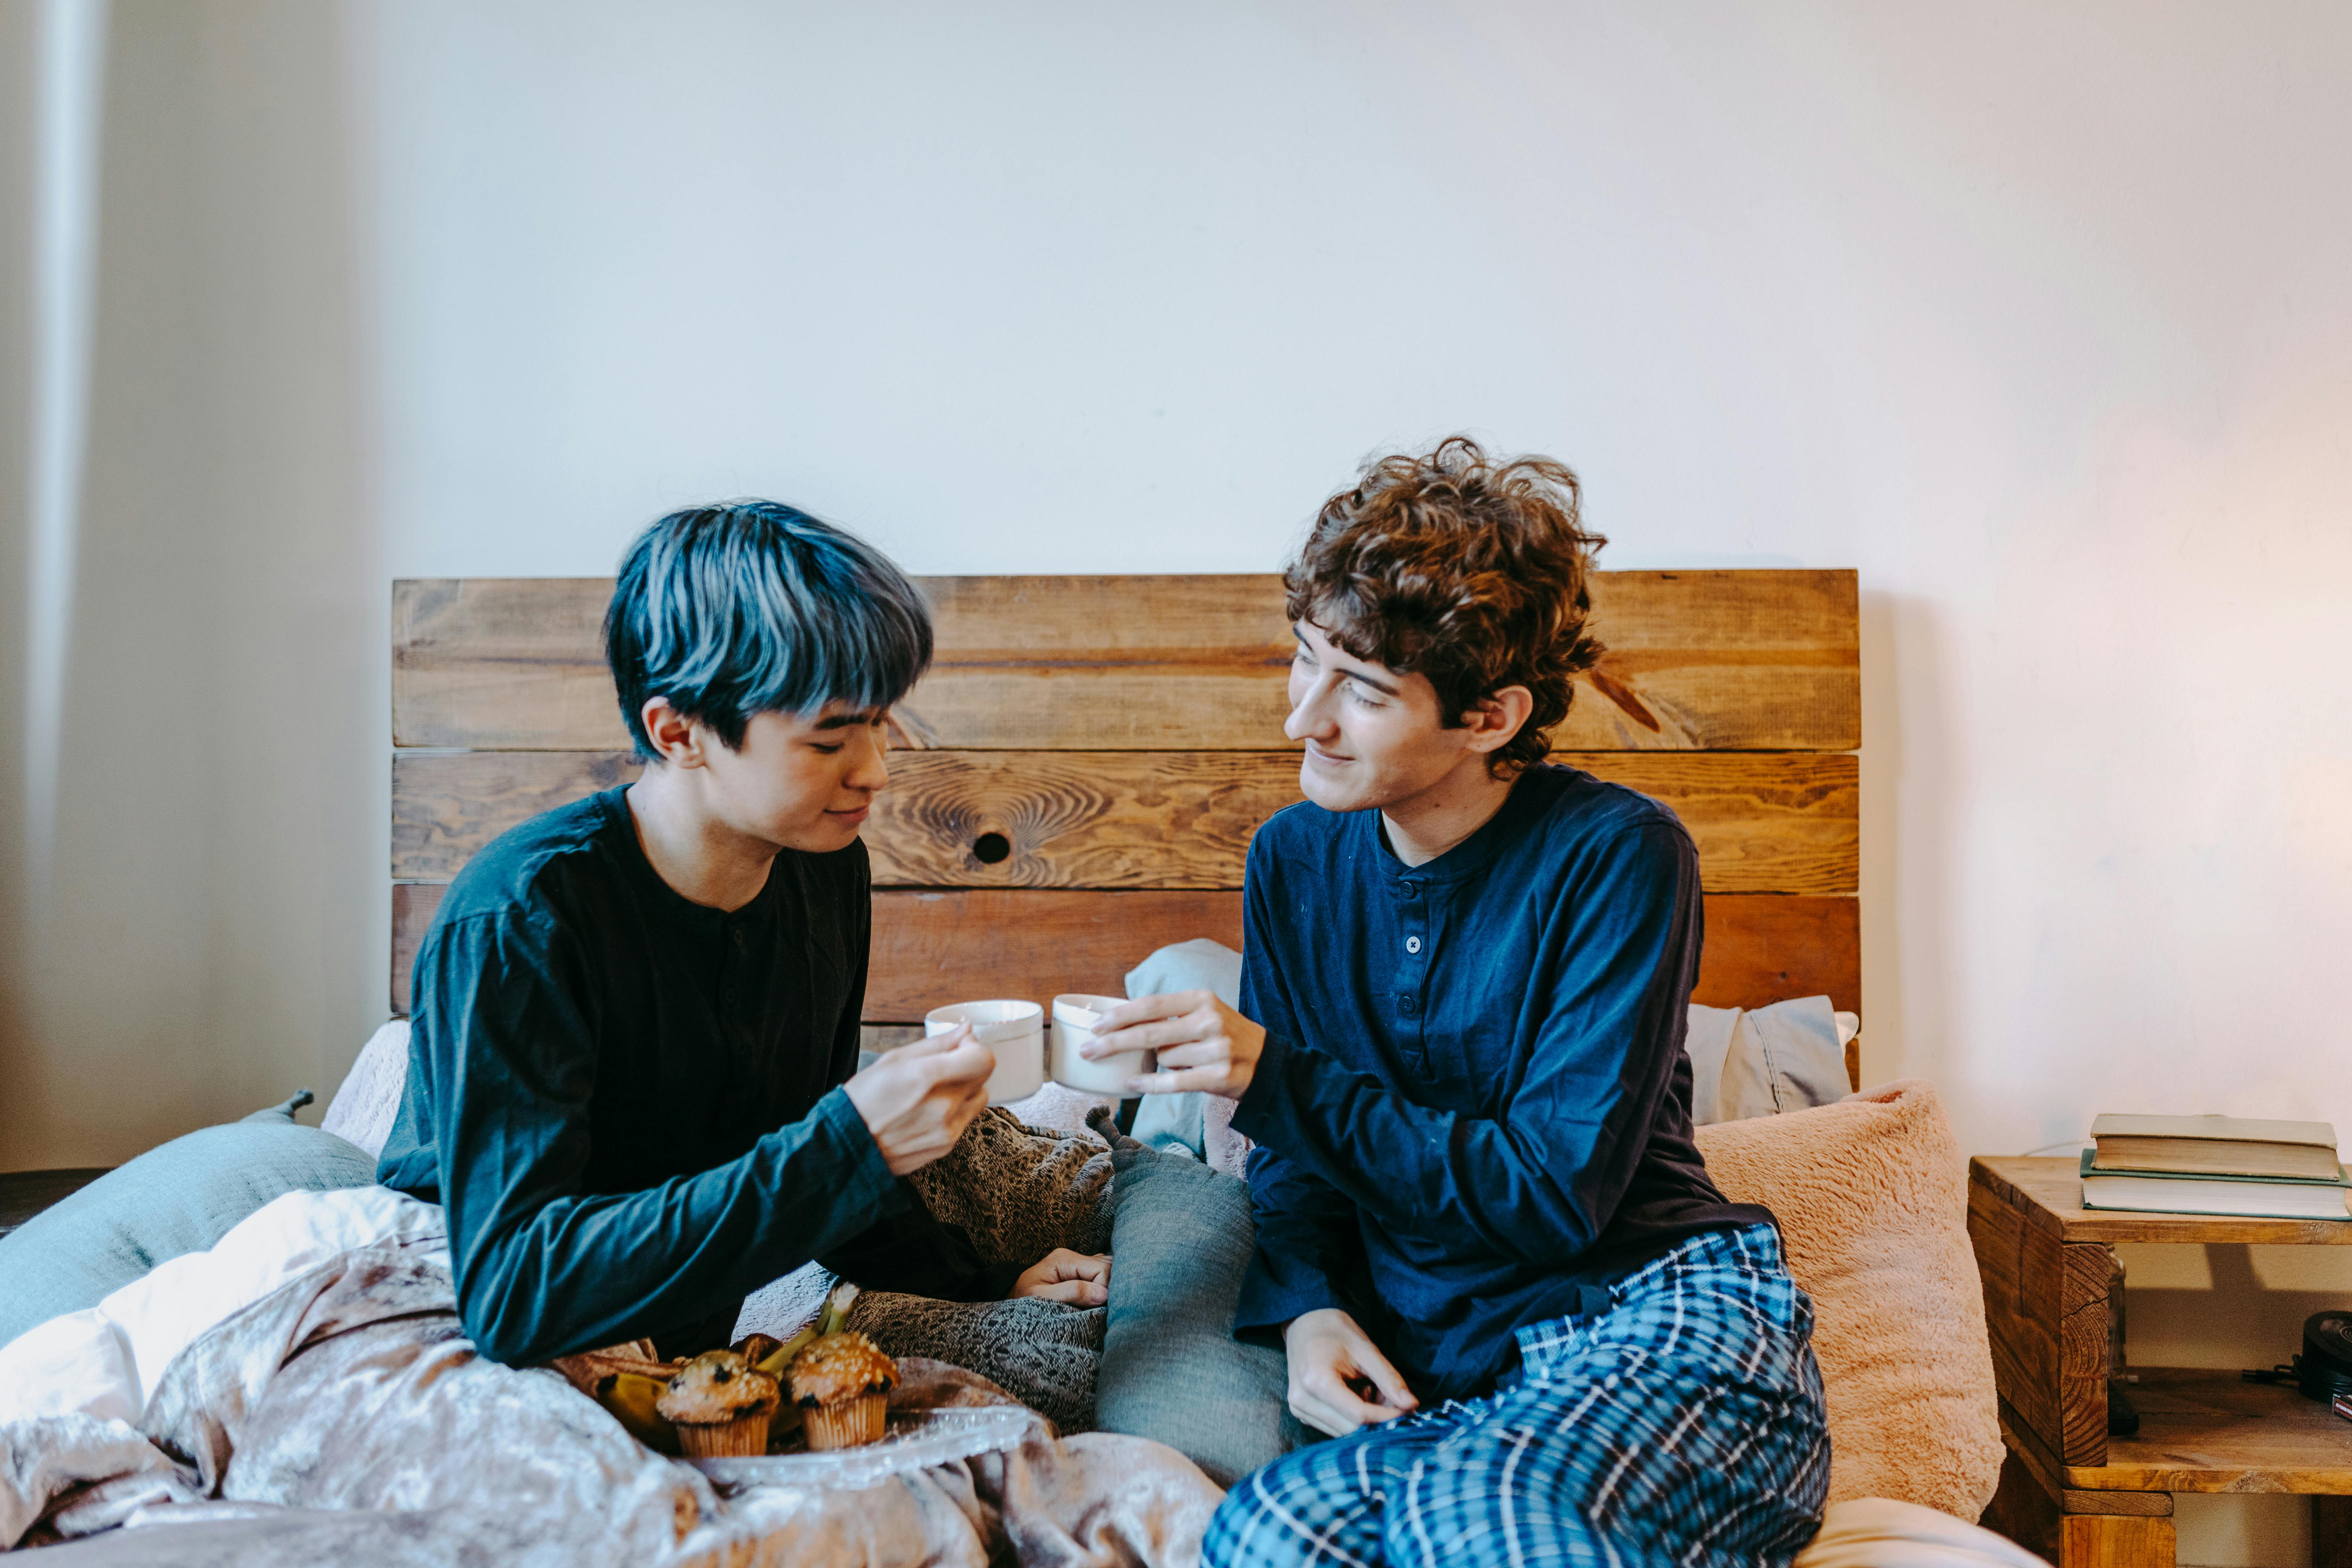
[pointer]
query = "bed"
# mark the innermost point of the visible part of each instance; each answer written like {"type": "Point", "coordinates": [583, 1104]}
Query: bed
{"type": "Point", "coordinates": [1075, 784]}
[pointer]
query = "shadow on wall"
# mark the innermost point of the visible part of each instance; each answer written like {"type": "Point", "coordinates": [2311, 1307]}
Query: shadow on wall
{"type": "Point", "coordinates": [2244, 1313]}
{"type": "Point", "coordinates": [217, 846]}
{"type": "Point", "coordinates": [1908, 1026]}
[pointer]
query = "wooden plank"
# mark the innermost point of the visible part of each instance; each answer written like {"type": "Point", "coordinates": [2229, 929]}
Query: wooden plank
{"type": "Point", "coordinates": [933, 948]}
{"type": "Point", "coordinates": [2331, 1533]}
{"type": "Point", "coordinates": [2019, 1267]}
{"type": "Point", "coordinates": [1765, 948]}
{"type": "Point", "coordinates": [2046, 1315]}
{"type": "Point", "coordinates": [951, 946]}
{"type": "Point", "coordinates": [959, 945]}
{"type": "Point", "coordinates": [2154, 1505]}
{"type": "Point", "coordinates": [2023, 1510]}
{"type": "Point", "coordinates": [1718, 661]}
{"type": "Point", "coordinates": [2048, 1192]}
{"type": "Point", "coordinates": [413, 907]}
{"type": "Point", "coordinates": [2038, 1457]}
{"type": "Point", "coordinates": [2086, 1280]}
{"type": "Point", "coordinates": [2092, 1540]}
{"type": "Point", "coordinates": [511, 661]}
{"type": "Point", "coordinates": [446, 805]}
{"type": "Point", "coordinates": [1764, 821]}
{"type": "Point", "coordinates": [1747, 660]}
{"type": "Point", "coordinates": [2205, 1430]}
{"type": "Point", "coordinates": [1103, 663]}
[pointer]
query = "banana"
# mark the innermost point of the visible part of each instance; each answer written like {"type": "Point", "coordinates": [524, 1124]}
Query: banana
{"type": "Point", "coordinates": [836, 1309]}
{"type": "Point", "coordinates": [629, 1399]}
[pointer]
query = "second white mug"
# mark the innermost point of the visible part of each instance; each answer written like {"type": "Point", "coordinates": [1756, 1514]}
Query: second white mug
{"type": "Point", "coordinates": [1075, 1015]}
{"type": "Point", "coordinates": [1015, 1031]}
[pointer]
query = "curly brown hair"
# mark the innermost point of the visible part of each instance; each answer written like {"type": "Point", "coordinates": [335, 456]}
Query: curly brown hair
{"type": "Point", "coordinates": [1468, 570]}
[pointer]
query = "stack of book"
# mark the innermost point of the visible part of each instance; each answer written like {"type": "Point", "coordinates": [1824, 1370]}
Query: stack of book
{"type": "Point", "coordinates": [2216, 1165]}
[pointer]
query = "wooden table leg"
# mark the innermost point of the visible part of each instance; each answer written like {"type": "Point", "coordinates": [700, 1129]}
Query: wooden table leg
{"type": "Point", "coordinates": [2023, 1510]}
{"type": "Point", "coordinates": [2331, 1533]}
{"type": "Point", "coordinates": [2114, 1541]}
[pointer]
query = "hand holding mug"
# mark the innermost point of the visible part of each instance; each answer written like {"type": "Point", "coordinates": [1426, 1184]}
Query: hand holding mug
{"type": "Point", "coordinates": [917, 1099]}
{"type": "Point", "coordinates": [1203, 1043]}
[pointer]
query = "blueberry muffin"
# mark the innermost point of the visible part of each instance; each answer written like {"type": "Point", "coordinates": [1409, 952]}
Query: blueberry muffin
{"type": "Point", "coordinates": [842, 1384]}
{"type": "Point", "coordinates": [721, 1404]}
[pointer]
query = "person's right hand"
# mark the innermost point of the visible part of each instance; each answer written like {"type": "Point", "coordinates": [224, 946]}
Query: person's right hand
{"type": "Point", "coordinates": [917, 1099]}
{"type": "Point", "coordinates": [1331, 1360]}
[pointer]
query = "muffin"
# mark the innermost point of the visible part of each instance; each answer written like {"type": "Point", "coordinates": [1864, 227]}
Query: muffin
{"type": "Point", "coordinates": [720, 1403]}
{"type": "Point", "coordinates": [842, 1384]}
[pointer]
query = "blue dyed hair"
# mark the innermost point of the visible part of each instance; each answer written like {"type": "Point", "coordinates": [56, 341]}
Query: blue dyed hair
{"type": "Point", "coordinates": [755, 607]}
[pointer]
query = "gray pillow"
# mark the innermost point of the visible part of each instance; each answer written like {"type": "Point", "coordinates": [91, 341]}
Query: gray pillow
{"type": "Point", "coordinates": [179, 1198]}
{"type": "Point", "coordinates": [1171, 1370]}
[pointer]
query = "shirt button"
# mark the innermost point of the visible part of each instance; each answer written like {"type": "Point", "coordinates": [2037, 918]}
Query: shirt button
{"type": "Point", "coordinates": [1412, 945]}
{"type": "Point", "coordinates": [1409, 1005]}
{"type": "Point", "coordinates": [1413, 889]}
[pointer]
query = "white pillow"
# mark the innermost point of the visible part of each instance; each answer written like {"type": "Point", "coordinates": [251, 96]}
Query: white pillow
{"type": "Point", "coordinates": [1879, 1532]}
{"type": "Point", "coordinates": [365, 1106]}
{"type": "Point", "coordinates": [1707, 1042]}
{"type": "Point", "coordinates": [1765, 1061]}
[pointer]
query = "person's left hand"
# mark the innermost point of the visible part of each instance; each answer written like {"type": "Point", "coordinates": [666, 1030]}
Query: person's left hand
{"type": "Point", "coordinates": [1083, 1279]}
{"type": "Point", "coordinates": [1203, 1043]}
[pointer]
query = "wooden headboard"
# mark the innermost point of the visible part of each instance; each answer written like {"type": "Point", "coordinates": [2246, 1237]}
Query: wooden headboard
{"type": "Point", "coordinates": [1085, 764]}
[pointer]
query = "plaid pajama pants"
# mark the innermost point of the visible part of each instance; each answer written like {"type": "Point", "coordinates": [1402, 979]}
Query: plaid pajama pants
{"type": "Point", "coordinates": [1681, 1424]}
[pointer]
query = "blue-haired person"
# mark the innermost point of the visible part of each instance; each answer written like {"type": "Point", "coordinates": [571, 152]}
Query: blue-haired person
{"type": "Point", "coordinates": [632, 1076]}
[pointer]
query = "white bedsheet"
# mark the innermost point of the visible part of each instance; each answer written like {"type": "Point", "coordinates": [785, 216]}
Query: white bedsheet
{"type": "Point", "coordinates": [105, 1361]}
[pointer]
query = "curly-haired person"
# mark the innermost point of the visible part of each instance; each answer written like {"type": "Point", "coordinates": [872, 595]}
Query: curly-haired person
{"type": "Point", "coordinates": [1485, 1236]}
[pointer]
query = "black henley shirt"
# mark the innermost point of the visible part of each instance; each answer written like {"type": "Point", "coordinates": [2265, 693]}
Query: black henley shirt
{"type": "Point", "coordinates": [629, 1103]}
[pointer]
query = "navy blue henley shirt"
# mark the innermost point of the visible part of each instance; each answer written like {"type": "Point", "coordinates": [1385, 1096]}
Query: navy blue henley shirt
{"type": "Point", "coordinates": [1473, 1101]}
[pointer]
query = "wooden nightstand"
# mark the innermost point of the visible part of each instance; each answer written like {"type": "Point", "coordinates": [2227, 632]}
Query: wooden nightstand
{"type": "Point", "coordinates": [2068, 1489]}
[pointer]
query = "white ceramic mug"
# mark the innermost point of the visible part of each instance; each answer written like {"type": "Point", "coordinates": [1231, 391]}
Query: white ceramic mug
{"type": "Point", "coordinates": [1074, 1017]}
{"type": "Point", "coordinates": [1013, 1031]}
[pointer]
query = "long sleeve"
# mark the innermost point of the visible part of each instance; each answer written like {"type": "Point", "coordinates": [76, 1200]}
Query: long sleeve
{"type": "Point", "coordinates": [909, 1251]}
{"type": "Point", "coordinates": [1539, 1180]}
{"type": "Point", "coordinates": [544, 1268]}
{"type": "Point", "coordinates": [1307, 1228]}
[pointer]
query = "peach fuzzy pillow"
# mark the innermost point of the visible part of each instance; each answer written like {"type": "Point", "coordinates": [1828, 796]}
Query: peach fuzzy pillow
{"type": "Point", "coordinates": [1872, 1197]}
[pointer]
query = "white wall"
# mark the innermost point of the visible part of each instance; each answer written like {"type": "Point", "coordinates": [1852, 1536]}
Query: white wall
{"type": "Point", "coordinates": [2041, 316]}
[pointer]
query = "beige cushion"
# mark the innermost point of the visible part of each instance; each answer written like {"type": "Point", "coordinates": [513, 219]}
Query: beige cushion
{"type": "Point", "coordinates": [1872, 1197]}
{"type": "Point", "coordinates": [1878, 1532]}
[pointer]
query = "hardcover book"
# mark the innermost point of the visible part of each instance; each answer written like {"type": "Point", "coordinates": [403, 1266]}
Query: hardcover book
{"type": "Point", "coordinates": [2216, 1146]}
{"type": "Point", "coordinates": [2171, 1192]}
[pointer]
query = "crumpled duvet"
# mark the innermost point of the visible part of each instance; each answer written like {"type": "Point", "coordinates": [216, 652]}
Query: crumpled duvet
{"type": "Point", "coordinates": [344, 1418]}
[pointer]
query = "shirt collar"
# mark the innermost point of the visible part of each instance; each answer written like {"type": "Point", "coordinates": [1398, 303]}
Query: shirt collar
{"type": "Point", "coordinates": [1474, 854]}
{"type": "Point", "coordinates": [700, 919]}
